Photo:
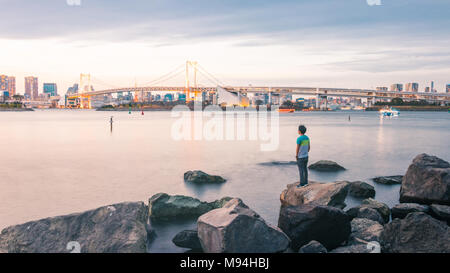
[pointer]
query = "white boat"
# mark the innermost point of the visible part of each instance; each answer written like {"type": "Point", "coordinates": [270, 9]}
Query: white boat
{"type": "Point", "coordinates": [390, 112]}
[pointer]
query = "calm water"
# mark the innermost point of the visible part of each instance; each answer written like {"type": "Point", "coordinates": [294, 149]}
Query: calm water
{"type": "Point", "coordinates": [55, 162]}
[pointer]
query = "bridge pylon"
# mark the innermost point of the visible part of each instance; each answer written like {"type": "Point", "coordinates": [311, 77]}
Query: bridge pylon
{"type": "Point", "coordinates": [85, 87]}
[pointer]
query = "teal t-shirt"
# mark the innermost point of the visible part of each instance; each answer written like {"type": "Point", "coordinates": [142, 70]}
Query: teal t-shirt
{"type": "Point", "coordinates": [303, 141]}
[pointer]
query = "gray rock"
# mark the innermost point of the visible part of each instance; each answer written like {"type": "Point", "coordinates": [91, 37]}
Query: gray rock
{"type": "Point", "coordinates": [364, 231]}
{"type": "Point", "coordinates": [361, 190]}
{"type": "Point", "coordinates": [119, 228]}
{"type": "Point", "coordinates": [441, 212]}
{"type": "Point", "coordinates": [389, 180]}
{"type": "Point", "coordinates": [416, 233]}
{"type": "Point", "coordinates": [326, 166]}
{"type": "Point", "coordinates": [187, 239]}
{"type": "Point", "coordinates": [166, 207]}
{"type": "Point", "coordinates": [401, 210]}
{"type": "Point", "coordinates": [200, 177]}
{"type": "Point", "coordinates": [326, 194]}
{"type": "Point", "coordinates": [235, 228]}
{"type": "Point", "coordinates": [328, 225]}
{"type": "Point", "coordinates": [427, 181]}
{"type": "Point", "coordinates": [313, 247]}
{"type": "Point", "coordinates": [361, 248]}
{"type": "Point", "coordinates": [382, 208]}
{"type": "Point", "coordinates": [367, 213]}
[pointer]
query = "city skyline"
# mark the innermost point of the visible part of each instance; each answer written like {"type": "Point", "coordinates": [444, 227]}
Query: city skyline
{"type": "Point", "coordinates": [291, 43]}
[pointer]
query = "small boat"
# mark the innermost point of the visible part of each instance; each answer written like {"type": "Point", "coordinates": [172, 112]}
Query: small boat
{"type": "Point", "coordinates": [286, 110]}
{"type": "Point", "coordinates": [390, 112]}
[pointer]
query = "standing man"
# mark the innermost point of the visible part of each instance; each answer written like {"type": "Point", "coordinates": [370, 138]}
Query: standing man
{"type": "Point", "coordinates": [301, 154]}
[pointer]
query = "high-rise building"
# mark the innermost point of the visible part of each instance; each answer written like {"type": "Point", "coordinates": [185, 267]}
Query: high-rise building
{"type": "Point", "coordinates": [432, 87]}
{"type": "Point", "coordinates": [447, 88]}
{"type": "Point", "coordinates": [3, 83]}
{"type": "Point", "coordinates": [412, 87]}
{"type": "Point", "coordinates": [397, 87]}
{"type": "Point", "coordinates": [427, 89]}
{"type": "Point", "coordinates": [50, 89]}
{"type": "Point", "coordinates": [31, 87]}
{"type": "Point", "coordinates": [11, 85]}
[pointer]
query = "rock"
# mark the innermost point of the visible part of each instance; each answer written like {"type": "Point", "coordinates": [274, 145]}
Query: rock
{"type": "Point", "coordinates": [326, 194]}
{"type": "Point", "coordinates": [366, 213]}
{"type": "Point", "coordinates": [328, 225]}
{"type": "Point", "coordinates": [119, 228]}
{"type": "Point", "coordinates": [187, 239]}
{"type": "Point", "coordinates": [401, 210]}
{"type": "Point", "coordinates": [202, 178]}
{"type": "Point", "coordinates": [279, 163]}
{"type": "Point", "coordinates": [441, 212]}
{"type": "Point", "coordinates": [313, 247]}
{"type": "Point", "coordinates": [427, 181]}
{"type": "Point", "coordinates": [361, 248]}
{"type": "Point", "coordinates": [235, 228]}
{"type": "Point", "coordinates": [326, 166]}
{"type": "Point", "coordinates": [361, 189]}
{"type": "Point", "coordinates": [382, 208]}
{"type": "Point", "coordinates": [166, 207]}
{"type": "Point", "coordinates": [364, 231]}
{"type": "Point", "coordinates": [388, 180]}
{"type": "Point", "coordinates": [417, 233]}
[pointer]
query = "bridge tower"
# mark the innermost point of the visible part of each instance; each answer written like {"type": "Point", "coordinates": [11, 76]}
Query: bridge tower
{"type": "Point", "coordinates": [193, 65]}
{"type": "Point", "coordinates": [85, 86]}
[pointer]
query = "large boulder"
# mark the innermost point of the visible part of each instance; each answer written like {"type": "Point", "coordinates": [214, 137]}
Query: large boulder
{"type": "Point", "coordinates": [326, 194]}
{"type": "Point", "coordinates": [328, 225]}
{"type": "Point", "coordinates": [326, 166]}
{"type": "Point", "coordinates": [427, 181]}
{"type": "Point", "coordinates": [364, 212]}
{"type": "Point", "coordinates": [200, 177]}
{"type": "Point", "coordinates": [441, 212]}
{"type": "Point", "coordinates": [382, 208]}
{"type": "Point", "coordinates": [187, 239]}
{"type": "Point", "coordinates": [401, 210]}
{"type": "Point", "coordinates": [365, 231]}
{"type": "Point", "coordinates": [119, 228]}
{"type": "Point", "coordinates": [361, 189]}
{"type": "Point", "coordinates": [416, 233]}
{"type": "Point", "coordinates": [235, 228]}
{"type": "Point", "coordinates": [313, 247]}
{"type": "Point", "coordinates": [388, 180]}
{"type": "Point", "coordinates": [166, 207]}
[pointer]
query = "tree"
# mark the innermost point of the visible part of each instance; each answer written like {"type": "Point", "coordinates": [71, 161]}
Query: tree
{"type": "Point", "coordinates": [397, 101]}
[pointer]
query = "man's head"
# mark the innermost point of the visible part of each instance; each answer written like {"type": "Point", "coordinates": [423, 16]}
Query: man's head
{"type": "Point", "coordinates": [302, 129]}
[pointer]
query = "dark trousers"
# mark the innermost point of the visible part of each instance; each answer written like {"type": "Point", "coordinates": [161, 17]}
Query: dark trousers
{"type": "Point", "coordinates": [302, 164]}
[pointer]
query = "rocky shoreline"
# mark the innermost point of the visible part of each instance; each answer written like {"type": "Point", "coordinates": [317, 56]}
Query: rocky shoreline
{"type": "Point", "coordinates": [312, 219]}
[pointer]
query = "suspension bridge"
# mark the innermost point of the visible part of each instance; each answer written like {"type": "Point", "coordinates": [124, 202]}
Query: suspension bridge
{"type": "Point", "coordinates": [193, 89]}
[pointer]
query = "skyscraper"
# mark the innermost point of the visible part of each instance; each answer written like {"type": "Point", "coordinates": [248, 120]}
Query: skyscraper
{"type": "Point", "coordinates": [31, 87]}
{"type": "Point", "coordinates": [447, 88]}
{"type": "Point", "coordinates": [11, 85]}
{"type": "Point", "coordinates": [3, 83]}
{"type": "Point", "coordinates": [432, 87]}
{"type": "Point", "coordinates": [397, 87]}
{"type": "Point", "coordinates": [412, 87]}
{"type": "Point", "coordinates": [50, 89]}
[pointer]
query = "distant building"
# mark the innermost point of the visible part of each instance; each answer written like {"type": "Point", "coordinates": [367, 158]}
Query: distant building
{"type": "Point", "coordinates": [50, 89]}
{"type": "Point", "coordinates": [12, 85]}
{"type": "Point", "coordinates": [427, 89]}
{"type": "Point", "coordinates": [432, 87]}
{"type": "Point", "coordinates": [168, 97]}
{"type": "Point", "coordinates": [181, 97]}
{"type": "Point", "coordinates": [412, 87]}
{"type": "Point", "coordinates": [31, 87]}
{"type": "Point", "coordinates": [447, 88]}
{"type": "Point", "coordinates": [3, 83]}
{"type": "Point", "coordinates": [382, 88]}
{"type": "Point", "coordinates": [397, 87]}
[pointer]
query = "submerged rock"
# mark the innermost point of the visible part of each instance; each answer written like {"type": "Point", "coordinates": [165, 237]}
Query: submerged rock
{"type": "Point", "coordinates": [361, 190]}
{"type": "Point", "coordinates": [417, 233]}
{"type": "Point", "coordinates": [235, 228]}
{"type": "Point", "coordinates": [187, 239]}
{"type": "Point", "coordinates": [427, 181]}
{"type": "Point", "coordinates": [441, 212]}
{"type": "Point", "coordinates": [200, 177]}
{"type": "Point", "coordinates": [278, 163]}
{"type": "Point", "coordinates": [313, 247]}
{"type": "Point", "coordinates": [388, 180]}
{"type": "Point", "coordinates": [166, 207]}
{"type": "Point", "coordinates": [326, 166]}
{"type": "Point", "coordinates": [119, 228]}
{"type": "Point", "coordinates": [328, 225]}
{"type": "Point", "coordinates": [326, 194]}
{"type": "Point", "coordinates": [401, 210]}
{"type": "Point", "coordinates": [366, 212]}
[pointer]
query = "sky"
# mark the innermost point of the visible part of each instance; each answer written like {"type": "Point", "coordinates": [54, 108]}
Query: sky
{"type": "Point", "coordinates": [315, 43]}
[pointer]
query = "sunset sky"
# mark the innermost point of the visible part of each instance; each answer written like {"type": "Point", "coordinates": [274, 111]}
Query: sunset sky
{"type": "Point", "coordinates": [323, 43]}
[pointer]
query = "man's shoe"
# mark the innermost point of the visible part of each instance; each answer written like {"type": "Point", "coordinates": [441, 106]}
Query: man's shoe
{"type": "Point", "coordinates": [301, 186]}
